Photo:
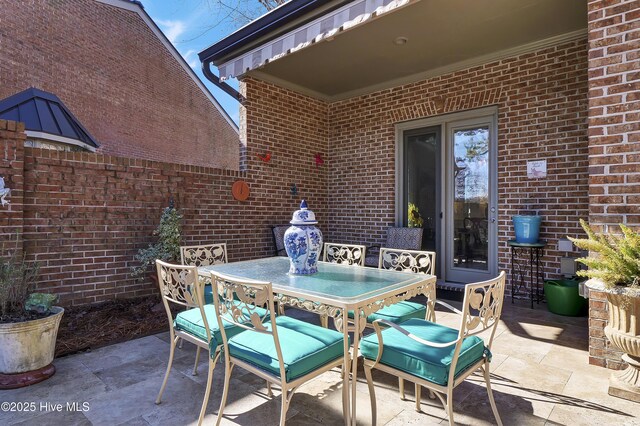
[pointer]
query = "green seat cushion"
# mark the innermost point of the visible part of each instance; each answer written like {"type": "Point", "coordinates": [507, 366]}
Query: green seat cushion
{"type": "Point", "coordinates": [397, 313]}
{"type": "Point", "coordinates": [429, 363]}
{"type": "Point", "coordinates": [305, 347]}
{"type": "Point", "coordinates": [191, 322]}
{"type": "Point", "coordinates": [208, 295]}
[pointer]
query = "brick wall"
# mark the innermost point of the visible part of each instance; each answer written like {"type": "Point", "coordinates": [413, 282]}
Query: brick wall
{"type": "Point", "coordinates": [614, 139]}
{"type": "Point", "coordinates": [542, 112]}
{"type": "Point", "coordinates": [116, 77]}
{"type": "Point", "coordinates": [84, 216]}
{"type": "Point", "coordinates": [11, 170]}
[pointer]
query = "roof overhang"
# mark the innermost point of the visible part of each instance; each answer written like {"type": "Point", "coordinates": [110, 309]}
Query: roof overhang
{"type": "Point", "coordinates": [340, 50]}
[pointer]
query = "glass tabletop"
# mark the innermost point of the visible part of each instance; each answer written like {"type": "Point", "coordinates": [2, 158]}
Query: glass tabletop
{"type": "Point", "coordinates": [344, 283]}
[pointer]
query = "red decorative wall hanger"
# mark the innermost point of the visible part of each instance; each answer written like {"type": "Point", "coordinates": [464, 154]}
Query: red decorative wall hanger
{"type": "Point", "coordinates": [266, 157]}
{"type": "Point", "coordinates": [318, 159]}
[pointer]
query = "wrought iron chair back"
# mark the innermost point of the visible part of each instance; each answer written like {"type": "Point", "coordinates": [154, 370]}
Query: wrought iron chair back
{"type": "Point", "coordinates": [416, 261]}
{"type": "Point", "coordinates": [347, 254]}
{"type": "Point", "coordinates": [237, 303]}
{"type": "Point", "coordinates": [278, 239]}
{"type": "Point", "coordinates": [204, 255]}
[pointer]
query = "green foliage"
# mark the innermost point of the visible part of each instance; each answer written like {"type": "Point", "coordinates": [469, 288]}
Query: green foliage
{"type": "Point", "coordinates": [167, 246]}
{"type": "Point", "coordinates": [17, 277]}
{"type": "Point", "coordinates": [415, 220]}
{"type": "Point", "coordinates": [40, 302]}
{"type": "Point", "coordinates": [618, 257]}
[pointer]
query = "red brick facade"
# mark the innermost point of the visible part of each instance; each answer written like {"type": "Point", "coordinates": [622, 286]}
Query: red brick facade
{"type": "Point", "coordinates": [614, 139]}
{"type": "Point", "coordinates": [84, 215]}
{"type": "Point", "coordinates": [542, 113]}
{"type": "Point", "coordinates": [117, 78]}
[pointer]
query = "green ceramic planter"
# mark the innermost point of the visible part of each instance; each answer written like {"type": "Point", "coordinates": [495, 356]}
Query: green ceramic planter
{"type": "Point", "coordinates": [563, 298]}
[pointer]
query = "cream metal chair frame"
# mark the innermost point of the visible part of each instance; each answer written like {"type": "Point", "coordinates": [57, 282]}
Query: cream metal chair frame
{"type": "Point", "coordinates": [486, 299]}
{"type": "Point", "coordinates": [396, 260]}
{"type": "Point", "coordinates": [251, 295]}
{"type": "Point", "coordinates": [179, 284]}
{"type": "Point", "coordinates": [191, 256]}
{"type": "Point", "coordinates": [347, 254]}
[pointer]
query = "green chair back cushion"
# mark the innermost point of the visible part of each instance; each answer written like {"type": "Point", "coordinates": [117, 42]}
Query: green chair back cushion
{"type": "Point", "coordinates": [305, 347]}
{"type": "Point", "coordinates": [429, 363]}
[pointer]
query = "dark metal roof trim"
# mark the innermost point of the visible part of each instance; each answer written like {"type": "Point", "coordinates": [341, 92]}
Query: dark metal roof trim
{"type": "Point", "coordinates": [44, 112]}
{"type": "Point", "coordinates": [267, 23]}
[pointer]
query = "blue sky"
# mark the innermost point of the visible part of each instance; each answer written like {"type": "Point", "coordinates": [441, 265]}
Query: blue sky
{"type": "Point", "coordinates": [191, 26]}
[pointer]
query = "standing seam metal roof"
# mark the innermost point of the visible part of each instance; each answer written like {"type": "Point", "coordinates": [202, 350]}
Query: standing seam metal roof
{"type": "Point", "coordinates": [44, 112]}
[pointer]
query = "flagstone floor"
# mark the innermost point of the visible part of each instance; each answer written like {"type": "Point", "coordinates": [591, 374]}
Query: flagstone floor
{"type": "Point", "coordinates": [540, 375]}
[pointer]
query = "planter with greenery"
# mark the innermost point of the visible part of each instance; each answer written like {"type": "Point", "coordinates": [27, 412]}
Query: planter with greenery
{"type": "Point", "coordinates": [166, 247]}
{"type": "Point", "coordinates": [614, 268]}
{"type": "Point", "coordinates": [28, 325]}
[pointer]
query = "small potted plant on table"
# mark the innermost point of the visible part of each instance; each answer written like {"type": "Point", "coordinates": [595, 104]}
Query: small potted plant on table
{"type": "Point", "coordinates": [28, 325]}
{"type": "Point", "coordinates": [614, 268]}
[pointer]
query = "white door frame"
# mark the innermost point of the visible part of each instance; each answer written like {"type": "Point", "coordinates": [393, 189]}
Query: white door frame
{"type": "Point", "coordinates": [490, 113]}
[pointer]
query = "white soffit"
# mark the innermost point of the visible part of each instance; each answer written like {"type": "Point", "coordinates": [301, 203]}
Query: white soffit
{"type": "Point", "coordinates": [324, 28]}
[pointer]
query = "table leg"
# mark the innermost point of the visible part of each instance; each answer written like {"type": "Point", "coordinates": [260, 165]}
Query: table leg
{"type": "Point", "coordinates": [354, 365]}
{"type": "Point", "coordinates": [513, 276]}
{"type": "Point", "coordinates": [532, 283]}
{"type": "Point", "coordinates": [345, 371]}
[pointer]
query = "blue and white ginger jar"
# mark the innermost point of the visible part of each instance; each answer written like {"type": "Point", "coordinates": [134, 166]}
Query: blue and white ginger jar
{"type": "Point", "coordinates": [303, 242]}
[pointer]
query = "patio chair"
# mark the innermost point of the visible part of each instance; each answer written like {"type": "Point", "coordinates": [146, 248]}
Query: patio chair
{"type": "Point", "coordinates": [348, 254]}
{"type": "Point", "coordinates": [416, 261]}
{"type": "Point", "coordinates": [438, 357]}
{"type": "Point", "coordinates": [180, 285]}
{"type": "Point", "coordinates": [278, 239]}
{"type": "Point", "coordinates": [203, 255]}
{"type": "Point", "coordinates": [397, 238]}
{"type": "Point", "coordinates": [308, 350]}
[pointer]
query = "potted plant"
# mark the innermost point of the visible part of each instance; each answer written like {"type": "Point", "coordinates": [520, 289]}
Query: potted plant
{"type": "Point", "coordinates": [614, 268]}
{"type": "Point", "coordinates": [28, 325]}
{"type": "Point", "coordinates": [527, 225]}
{"type": "Point", "coordinates": [166, 247]}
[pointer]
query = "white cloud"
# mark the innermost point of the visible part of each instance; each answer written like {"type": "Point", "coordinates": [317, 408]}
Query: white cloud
{"type": "Point", "coordinates": [192, 58]}
{"type": "Point", "coordinates": [172, 29]}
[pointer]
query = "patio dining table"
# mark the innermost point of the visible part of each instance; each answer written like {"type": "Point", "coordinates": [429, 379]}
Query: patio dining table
{"type": "Point", "coordinates": [334, 291]}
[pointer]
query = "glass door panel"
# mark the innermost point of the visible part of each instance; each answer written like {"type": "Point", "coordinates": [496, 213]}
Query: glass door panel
{"type": "Point", "coordinates": [470, 213]}
{"type": "Point", "coordinates": [422, 183]}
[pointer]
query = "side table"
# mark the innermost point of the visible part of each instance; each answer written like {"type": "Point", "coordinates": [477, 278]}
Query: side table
{"type": "Point", "coordinates": [521, 269]}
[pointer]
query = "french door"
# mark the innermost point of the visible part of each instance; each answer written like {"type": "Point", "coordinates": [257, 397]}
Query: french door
{"type": "Point", "coordinates": [447, 185]}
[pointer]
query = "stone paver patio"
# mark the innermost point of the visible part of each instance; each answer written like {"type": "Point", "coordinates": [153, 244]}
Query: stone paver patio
{"type": "Point", "coordinates": [540, 375]}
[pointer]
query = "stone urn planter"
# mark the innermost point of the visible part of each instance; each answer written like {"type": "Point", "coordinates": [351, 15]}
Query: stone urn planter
{"type": "Point", "coordinates": [623, 331]}
{"type": "Point", "coordinates": [27, 350]}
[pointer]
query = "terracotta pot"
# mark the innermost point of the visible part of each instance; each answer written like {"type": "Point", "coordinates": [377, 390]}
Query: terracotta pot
{"type": "Point", "coordinates": [27, 350]}
{"type": "Point", "coordinates": [623, 330]}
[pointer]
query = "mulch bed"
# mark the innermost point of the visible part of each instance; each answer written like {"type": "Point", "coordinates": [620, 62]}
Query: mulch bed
{"type": "Point", "coordinates": [88, 327]}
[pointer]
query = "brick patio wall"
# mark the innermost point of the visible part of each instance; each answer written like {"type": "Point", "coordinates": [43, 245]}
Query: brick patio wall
{"type": "Point", "coordinates": [614, 139]}
{"type": "Point", "coordinates": [12, 171]}
{"type": "Point", "coordinates": [83, 216]}
{"type": "Point", "coordinates": [116, 77]}
{"type": "Point", "coordinates": [542, 114]}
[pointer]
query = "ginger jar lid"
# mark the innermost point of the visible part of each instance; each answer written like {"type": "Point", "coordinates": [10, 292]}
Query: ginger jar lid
{"type": "Point", "coordinates": [304, 216]}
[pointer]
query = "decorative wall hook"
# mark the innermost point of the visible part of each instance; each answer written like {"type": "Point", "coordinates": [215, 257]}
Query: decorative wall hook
{"type": "Point", "coordinates": [266, 157]}
{"type": "Point", "coordinates": [294, 190]}
{"type": "Point", "coordinates": [4, 192]}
